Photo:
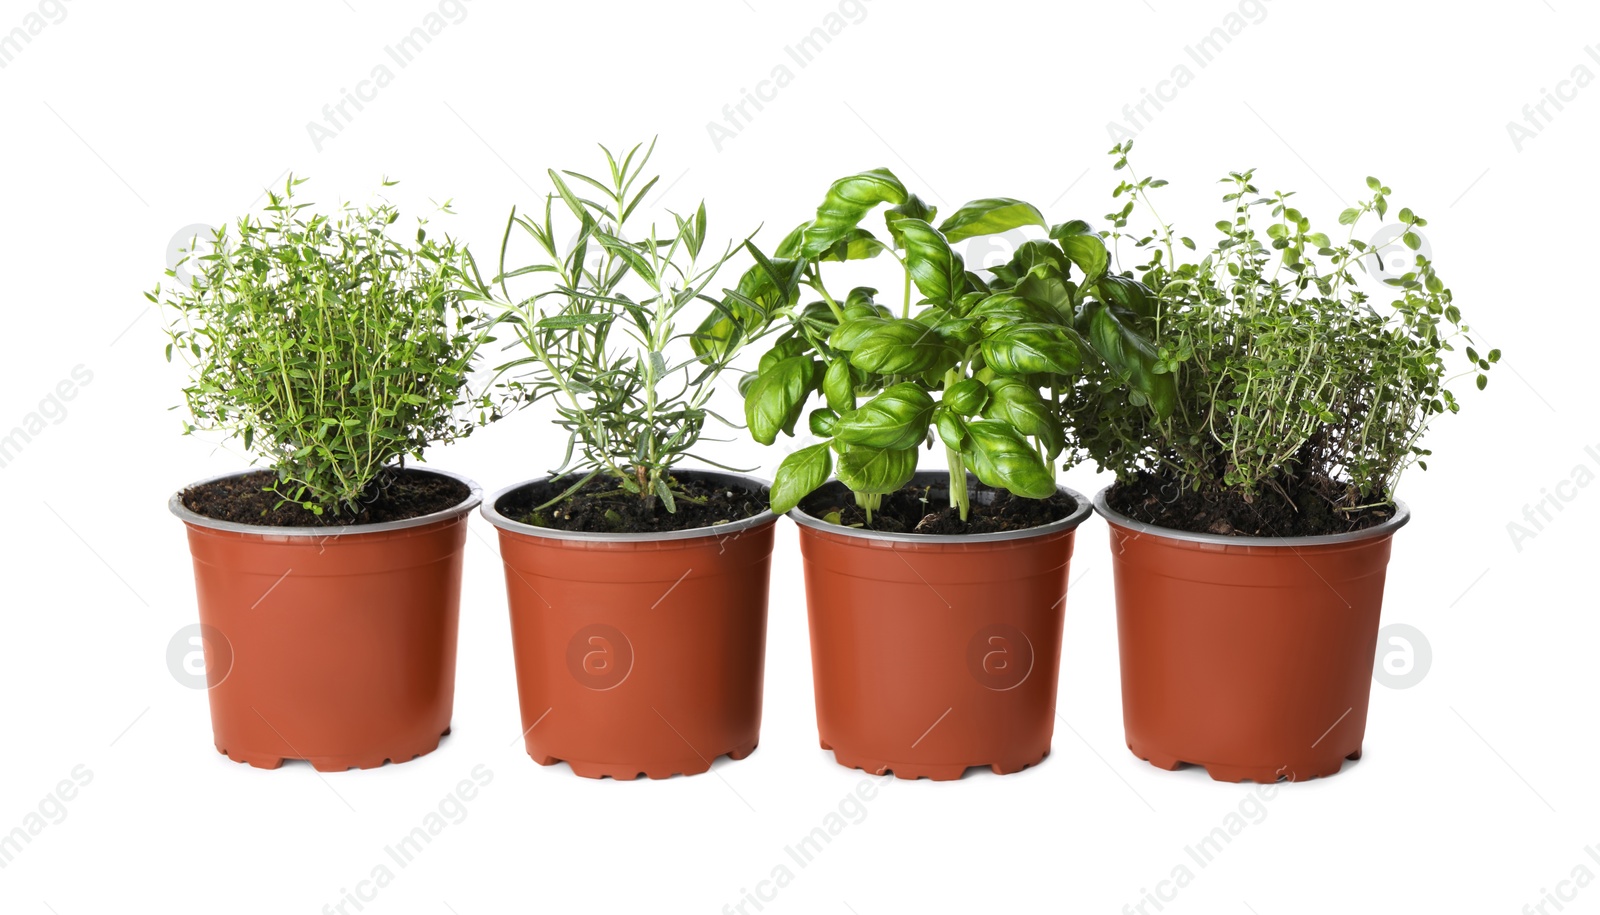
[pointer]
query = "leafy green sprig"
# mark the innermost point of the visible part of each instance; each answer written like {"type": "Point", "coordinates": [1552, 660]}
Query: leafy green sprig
{"type": "Point", "coordinates": [327, 345]}
{"type": "Point", "coordinates": [600, 335]}
{"type": "Point", "coordinates": [1283, 369]}
{"type": "Point", "coordinates": [997, 351]}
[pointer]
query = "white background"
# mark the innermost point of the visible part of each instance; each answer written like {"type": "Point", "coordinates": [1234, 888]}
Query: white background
{"type": "Point", "coordinates": [124, 123]}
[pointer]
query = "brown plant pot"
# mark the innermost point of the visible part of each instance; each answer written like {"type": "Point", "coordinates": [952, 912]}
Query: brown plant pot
{"type": "Point", "coordinates": [638, 654]}
{"type": "Point", "coordinates": [335, 645]}
{"type": "Point", "coordinates": [931, 654]}
{"type": "Point", "coordinates": [1251, 657]}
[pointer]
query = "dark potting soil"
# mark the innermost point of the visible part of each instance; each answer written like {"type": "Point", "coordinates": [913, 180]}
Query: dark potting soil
{"type": "Point", "coordinates": [926, 509]}
{"type": "Point", "coordinates": [396, 495]}
{"type": "Point", "coordinates": [602, 506]}
{"type": "Point", "coordinates": [1303, 508]}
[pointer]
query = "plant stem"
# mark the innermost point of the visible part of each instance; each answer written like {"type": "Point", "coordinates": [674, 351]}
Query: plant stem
{"type": "Point", "coordinates": [960, 499]}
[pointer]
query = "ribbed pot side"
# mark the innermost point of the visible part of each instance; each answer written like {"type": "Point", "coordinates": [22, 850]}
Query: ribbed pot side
{"type": "Point", "coordinates": [639, 654]}
{"type": "Point", "coordinates": [933, 654]}
{"type": "Point", "coordinates": [333, 645]}
{"type": "Point", "coordinates": [1251, 657]}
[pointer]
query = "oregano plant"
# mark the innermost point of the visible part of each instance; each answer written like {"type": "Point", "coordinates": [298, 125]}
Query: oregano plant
{"type": "Point", "coordinates": [1288, 379]}
{"type": "Point", "coordinates": [331, 345]}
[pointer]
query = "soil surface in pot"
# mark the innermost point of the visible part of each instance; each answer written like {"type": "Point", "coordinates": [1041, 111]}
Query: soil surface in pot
{"type": "Point", "coordinates": [603, 507]}
{"type": "Point", "coordinates": [926, 510]}
{"type": "Point", "coordinates": [396, 495]}
{"type": "Point", "coordinates": [1303, 508]}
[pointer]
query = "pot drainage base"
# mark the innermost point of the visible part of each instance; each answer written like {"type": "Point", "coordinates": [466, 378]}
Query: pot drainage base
{"type": "Point", "coordinates": [1262, 775]}
{"type": "Point", "coordinates": [938, 772]}
{"type": "Point", "coordinates": [627, 773]}
{"type": "Point", "coordinates": [331, 763]}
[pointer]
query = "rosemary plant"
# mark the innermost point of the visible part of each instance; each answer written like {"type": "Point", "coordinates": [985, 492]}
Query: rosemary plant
{"type": "Point", "coordinates": [601, 334]}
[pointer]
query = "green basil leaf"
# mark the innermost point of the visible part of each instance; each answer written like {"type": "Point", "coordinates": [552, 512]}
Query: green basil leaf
{"type": "Point", "coordinates": [1071, 227]}
{"type": "Point", "coordinates": [1131, 356]}
{"type": "Point", "coordinates": [847, 202]}
{"type": "Point", "coordinates": [783, 349]}
{"type": "Point", "coordinates": [1088, 252]}
{"type": "Point", "coordinates": [898, 347]}
{"type": "Point", "coordinates": [895, 419]}
{"type": "Point", "coordinates": [858, 244]}
{"type": "Point", "coordinates": [875, 470]}
{"type": "Point", "coordinates": [839, 387]}
{"type": "Point", "coordinates": [1027, 349]}
{"type": "Point", "coordinates": [775, 399]}
{"type": "Point", "coordinates": [860, 304]}
{"type": "Point", "coordinates": [1020, 405]}
{"type": "Point", "coordinates": [799, 475]}
{"type": "Point", "coordinates": [853, 330]}
{"type": "Point", "coordinates": [790, 246]}
{"type": "Point", "coordinates": [914, 208]}
{"type": "Point", "coordinates": [1004, 308]}
{"type": "Point", "coordinates": [937, 271]}
{"type": "Point", "coordinates": [999, 456]}
{"type": "Point", "coordinates": [823, 421]}
{"type": "Point", "coordinates": [952, 429]}
{"type": "Point", "coordinates": [1129, 293]}
{"type": "Point", "coordinates": [966, 397]}
{"type": "Point", "coordinates": [990, 216]}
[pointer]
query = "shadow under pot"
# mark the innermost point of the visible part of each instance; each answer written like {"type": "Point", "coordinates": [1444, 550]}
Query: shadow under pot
{"type": "Point", "coordinates": [1250, 656]}
{"type": "Point", "coordinates": [931, 654]}
{"type": "Point", "coordinates": [336, 645]}
{"type": "Point", "coordinates": [638, 653]}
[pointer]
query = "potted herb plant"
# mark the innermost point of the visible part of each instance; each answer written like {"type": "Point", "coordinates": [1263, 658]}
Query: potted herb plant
{"type": "Point", "coordinates": [1251, 521]}
{"type": "Point", "coordinates": [637, 587]}
{"type": "Point", "coordinates": [935, 600]}
{"type": "Point", "coordinates": [328, 584]}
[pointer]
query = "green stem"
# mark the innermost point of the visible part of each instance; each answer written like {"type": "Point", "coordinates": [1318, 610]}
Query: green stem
{"type": "Point", "coordinates": [816, 283]}
{"type": "Point", "coordinates": [960, 499]}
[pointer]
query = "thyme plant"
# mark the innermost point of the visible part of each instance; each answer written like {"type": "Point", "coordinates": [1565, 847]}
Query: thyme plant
{"type": "Point", "coordinates": [1287, 377]}
{"type": "Point", "coordinates": [601, 333]}
{"type": "Point", "coordinates": [329, 346]}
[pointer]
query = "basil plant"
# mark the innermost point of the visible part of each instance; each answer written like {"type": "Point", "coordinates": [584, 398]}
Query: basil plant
{"type": "Point", "coordinates": [977, 364]}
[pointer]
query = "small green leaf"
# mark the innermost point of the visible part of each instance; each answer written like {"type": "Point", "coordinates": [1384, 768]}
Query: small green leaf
{"type": "Point", "coordinates": [990, 216]}
{"type": "Point", "coordinates": [799, 475]}
{"type": "Point", "coordinates": [876, 470]}
{"type": "Point", "coordinates": [895, 419]}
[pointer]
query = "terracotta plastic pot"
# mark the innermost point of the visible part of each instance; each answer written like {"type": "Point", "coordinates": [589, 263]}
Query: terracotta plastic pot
{"type": "Point", "coordinates": [1251, 657]}
{"type": "Point", "coordinates": [333, 645]}
{"type": "Point", "coordinates": [638, 654]}
{"type": "Point", "coordinates": [931, 654]}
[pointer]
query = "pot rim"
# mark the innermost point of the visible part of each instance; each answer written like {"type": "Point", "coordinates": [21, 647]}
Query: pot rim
{"type": "Point", "coordinates": [1079, 515]}
{"type": "Point", "coordinates": [491, 513]}
{"type": "Point", "coordinates": [176, 506]}
{"type": "Point", "coordinates": [1402, 515]}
